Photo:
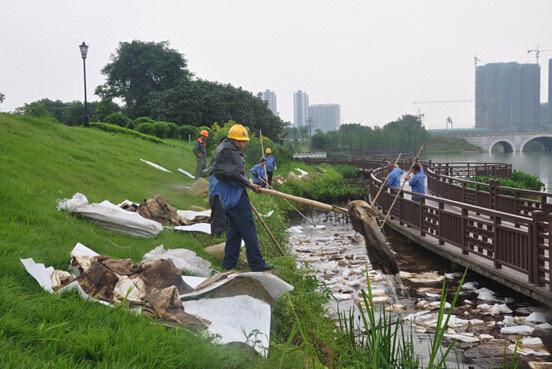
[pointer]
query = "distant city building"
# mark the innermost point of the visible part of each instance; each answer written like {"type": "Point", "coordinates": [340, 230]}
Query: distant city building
{"type": "Point", "coordinates": [270, 98]}
{"type": "Point", "coordinates": [550, 87]}
{"type": "Point", "coordinates": [300, 108]}
{"type": "Point", "coordinates": [325, 117]}
{"type": "Point", "coordinates": [507, 97]}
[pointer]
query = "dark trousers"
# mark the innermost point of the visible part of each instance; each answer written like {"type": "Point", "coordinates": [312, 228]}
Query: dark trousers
{"type": "Point", "coordinates": [242, 226]}
{"type": "Point", "coordinates": [218, 218]}
{"type": "Point", "coordinates": [269, 175]}
{"type": "Point", "coordinates": [200, 166]}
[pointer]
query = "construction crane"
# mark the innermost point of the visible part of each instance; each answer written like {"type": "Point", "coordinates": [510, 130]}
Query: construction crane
{"type": "Point", "coordinates": [537, 52]}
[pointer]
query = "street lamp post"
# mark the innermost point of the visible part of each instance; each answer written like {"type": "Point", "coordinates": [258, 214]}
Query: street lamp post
{"type": "Point", "coordinates": [84, 50]}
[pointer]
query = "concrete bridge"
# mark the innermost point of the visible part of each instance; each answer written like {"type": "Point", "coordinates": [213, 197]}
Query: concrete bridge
{"type": "Point", "coordinates": [511, 142]}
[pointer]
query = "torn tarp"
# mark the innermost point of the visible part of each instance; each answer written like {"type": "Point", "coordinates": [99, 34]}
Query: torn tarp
{"type": "Point", "coordinates": [185, 260]}
{"type": "Point", "coordinates": [111, 216]}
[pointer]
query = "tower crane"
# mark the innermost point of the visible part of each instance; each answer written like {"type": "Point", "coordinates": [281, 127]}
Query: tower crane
{"type": "Point", "coordinates": [537, 52]}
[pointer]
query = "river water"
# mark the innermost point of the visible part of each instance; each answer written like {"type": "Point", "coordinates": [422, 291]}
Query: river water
{"type": "Point", "coordinates": [536, 163]}
{"type": "Point", "coordinates": [329, 246]}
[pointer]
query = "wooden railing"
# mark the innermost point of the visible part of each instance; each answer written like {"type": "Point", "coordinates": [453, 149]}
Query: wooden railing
{"type": "Point", "coordinates": [519, 242]}
{"type": "Point", "coordinates": [448, 180]}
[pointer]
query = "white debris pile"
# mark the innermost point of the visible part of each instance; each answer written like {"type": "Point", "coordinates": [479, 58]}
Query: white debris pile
{"type": "Point", "coordinates": [234, 307]}
{"type": "Point", "coordinates": [111, 216]}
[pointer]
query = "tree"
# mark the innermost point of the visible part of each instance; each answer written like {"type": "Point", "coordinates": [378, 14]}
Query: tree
{"type": "Point", "coordinates": [2, 97]}
{"type": "Point", "coordinates": [139, 69]}
{"type": "Point", "coordinates": [319, 141]}
{"type": "Point", "coordinates": [106, 107]}
{"type": "Point", "coordinates": [34, 109]}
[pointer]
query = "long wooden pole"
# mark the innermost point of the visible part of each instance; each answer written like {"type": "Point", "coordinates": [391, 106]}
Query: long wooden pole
{"type": "Point", "coordinates": [414, 161]}
{"type": "Point", "coordinates": [263, 153]}
{"type": "Point", "coordinates": [384, 182]}
{"type": "Point", "coordinates": [302, 200]}
{"type": "Point", "coordinates": [270, 234]}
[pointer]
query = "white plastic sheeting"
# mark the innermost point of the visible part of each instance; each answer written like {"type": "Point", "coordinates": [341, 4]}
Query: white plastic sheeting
{"type": "Point", "coordinates": [242, 318]}
{"type": "Point", "coordinates": [186, 173]}
{"type": "Point", "coordinates": [185, 260]}
{"type": "Point", "coordinates": [192, 216]}
{"type": "Point", "coordinates": [111, 216]}
{"type": "Point", "coordinates": [198, 227]}
{"type": "Point", "coordinates": [156, 166]}
{"type": "Point", "coordinates": [239, 318]}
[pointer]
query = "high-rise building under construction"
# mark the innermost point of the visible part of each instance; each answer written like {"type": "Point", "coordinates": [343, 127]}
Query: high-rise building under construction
{"type": "Point", "coordinates": [507, 97]}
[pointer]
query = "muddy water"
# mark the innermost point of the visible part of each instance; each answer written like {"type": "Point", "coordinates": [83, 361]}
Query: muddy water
{"type": "Point", "coordinates": [483, 319]}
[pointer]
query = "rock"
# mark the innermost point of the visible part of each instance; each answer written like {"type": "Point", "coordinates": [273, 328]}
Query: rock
{"type": "Point", "coordinates": [218, 252]}
{"type": "Point", "coordinates": [200, 188]}
{"type": "Point", "coordinates": [295, 229]}
{"type": "Point", "coordinates": [540, 365]}
{"type": "Point", "coordinates": [531, 341]}
{"type": "Point", "coordinates": [341, 296]}
{"type": "Point", "coordinates": [522, 330]}
{"type": "Point", "coordinates": [420, 329]}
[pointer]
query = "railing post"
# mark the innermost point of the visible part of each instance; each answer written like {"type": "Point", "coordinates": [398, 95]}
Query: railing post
{"type": "Point", "coordinates": [549, 229]}
{"type": "Point", "coordinates": [441, 208]}
{"type": "Point", "coordinates": [496, 247]}
{"type": "Point", "coordinates": [533, 257]}
{"type": "Point", "coordinates": [400, 203]}
{"type": "Point", "coordinates": [422, 204]}
{"type": "Point", "coordinates": [493, 192]}
{"type": "Point", "coordinates": [465, 248]}
{"type": "Point", "coordinates": [464, 185]}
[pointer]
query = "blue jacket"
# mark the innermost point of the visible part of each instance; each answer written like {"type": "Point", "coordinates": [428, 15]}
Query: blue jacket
{"type": "Point", "coordinates": [259, 175]}
{"type": "Point", "coordinates": [229, 169]}
{"type": "Point", "coordinates": [270, 163]}
{"type": "Point", "coordinates": [417, 182]}
{"type": "Point", "coordinates": [394, 179]}
{"type": "Point", "coordinates": [212, 185]}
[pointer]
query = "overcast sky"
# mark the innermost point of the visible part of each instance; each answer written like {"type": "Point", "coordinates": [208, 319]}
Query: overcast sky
{"type": "Point", "coordinates": [374, 58]}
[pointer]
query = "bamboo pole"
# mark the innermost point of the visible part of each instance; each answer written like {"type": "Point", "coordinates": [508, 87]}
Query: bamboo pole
{"type": "Point", "coordinates": [414, 161]}
{"type": "Point", "coordinates": [290, 204]}
{"type": "Point", "coordinates": [385, 181]}
{"type": "Point", "coordinates": [302, 200]}
{"type": "Point", "coordinates": [270, 234]}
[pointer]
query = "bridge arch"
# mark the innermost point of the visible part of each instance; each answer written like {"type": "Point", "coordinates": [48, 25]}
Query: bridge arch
{"type": "Point", "coordinates": [544, 139]}
{"type": "Point", "coordinates": [506, 144]}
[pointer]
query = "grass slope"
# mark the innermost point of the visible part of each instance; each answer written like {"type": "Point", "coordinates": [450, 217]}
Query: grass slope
{"type": "Point", "coordinates": [43, 161]}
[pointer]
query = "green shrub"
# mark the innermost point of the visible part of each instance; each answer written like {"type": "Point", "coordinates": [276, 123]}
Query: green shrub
{"type": "Point", "coordinates": [161, 129]}
{"type": "Point", "coordinates": [143, 120]}
{"type": "Point", "coordinates": [187, 131]}
{"type": "Point", "coordinates": [173, 129]}
{"type": "Point", "coordinates": [116, 129]}
{"type": "Point", "coordinates": [519, 180]}
{"type": "Point", "coordinates": [146, 128]}
{"type": "Point", "coordinates": [119, 119]}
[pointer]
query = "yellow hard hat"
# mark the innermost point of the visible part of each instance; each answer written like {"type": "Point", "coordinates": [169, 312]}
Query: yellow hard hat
{"type": "Point", "coordinates": [268, 151]}
{"type": "Point", "coordinates": [204, 133]}
{"type": "Point", "coordinates": [238, 132]}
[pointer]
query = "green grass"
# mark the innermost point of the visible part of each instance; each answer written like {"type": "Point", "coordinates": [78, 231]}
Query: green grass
{"type": "Point", "coordinates": [42, 161]}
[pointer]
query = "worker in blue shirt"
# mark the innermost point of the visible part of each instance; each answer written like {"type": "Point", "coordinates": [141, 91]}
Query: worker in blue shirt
{"type": "Point", "coordinates": [417, 182]}
{"type": "Point", "coordinates": [394, 179]}
{"type": "Point", "coordinates": [270, 165]}
{"type": "Point", "coordinates": [259, 174]}
{"type": "Point", "coordinates": [228, 167]}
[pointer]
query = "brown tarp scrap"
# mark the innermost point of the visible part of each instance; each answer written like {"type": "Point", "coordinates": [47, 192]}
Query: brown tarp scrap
{"type": "Point", "coordinates": [160, 273]}
{"type": "Point", "coordinates": [238, 285]}
{"type": "Point", "coordinates": [166, 304]}
{"type": "Point", "coordinates": [159, 210]}
{"type": "Point", "coordinates": [98, 281]}
{"type": "Point", "coordinates": [118, 266]}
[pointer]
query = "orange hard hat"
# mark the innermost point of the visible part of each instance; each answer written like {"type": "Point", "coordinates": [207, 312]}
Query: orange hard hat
{"type": "Point", "coordinates": [204, 132]}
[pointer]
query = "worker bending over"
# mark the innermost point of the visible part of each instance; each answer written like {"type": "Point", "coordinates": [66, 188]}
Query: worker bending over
{"type": "Point", "coordinates": [229, 169]}
{"type": "Point", "coordinates": [259, 173]}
